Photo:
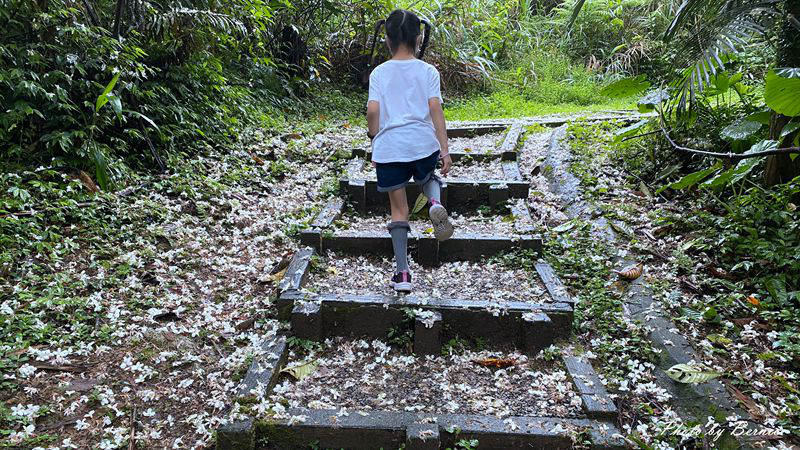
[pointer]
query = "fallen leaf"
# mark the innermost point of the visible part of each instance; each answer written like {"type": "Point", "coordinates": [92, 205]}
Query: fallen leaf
{"type": "Point", "coordinates": [718, 339]}
{"type": "Point", "coordinates": [246, 324]}
{"type": "Point", "coordinates": [291, 136]}
{"type": "Point", "coordinates": [564, 227]}
{"type": "Point", "coordinates": [275, 277]}
{"type": "Point", "coordinates": [300, 371]}
{"type": "Point", "coordinates": [63, 368]}
{"type": "Point", "coordinates": [87, 181]}
{"type": "Point", "coordinates": [498, 363]}
{"type": "Point", "coordinates": [691, 373]}
{"type": "Point", "coordinates": [719, 273]}
{"type": "Point", "coordinates": [631, 272]}
{"type": "Point", "coordinates": [82, 385]}
{"type": "Point", "coordinates": [742, 321]}
{"type": "Point", "coordinates": [419, 203]}
{"type": "Point", "coordinates": [747, 401]}
{"type": "Point", "coordinates": [621, 228]}
{"type": "Point", "coordinates": [282, 264]}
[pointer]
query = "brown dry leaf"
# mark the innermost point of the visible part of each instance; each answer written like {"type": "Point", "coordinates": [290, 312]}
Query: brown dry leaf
{"type": "Point", "coordinates": [719, 273]}
{"type": "Point", "coordinates": [246, 324]}
{"type": "Point", "coordinates": [631, 272]}
{"type": "Point", "coordinates": [275, 277]}
{"type": "Point", "coordinates": [747, 401]}
{"type": "Point", "coordinates": [742, 321]}
{"type": "Point", "coordinates": [87, 181]}
{"type": "Point", "coordinates": [258, 159]}
{"type": "Point", "coordinates": [291, 136]}
{"type": "Point", "coordinates": [64, 368]}
{"type": "Point", "coordinates": [282, 264]}
{"type": "Point", "coordinates": [498, 363]}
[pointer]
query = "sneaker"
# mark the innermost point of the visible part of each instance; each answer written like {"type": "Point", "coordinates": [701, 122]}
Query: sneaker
{"type": "Point", "coordinates": [442, 228]}
{"type": "Point", "coordinates": [401, 281]}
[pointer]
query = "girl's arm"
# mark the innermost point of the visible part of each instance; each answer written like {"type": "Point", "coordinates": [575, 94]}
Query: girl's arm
{"type": "Point", "coordinates": [373, 121]}
{"type": "Point", "coordinates": [437, 115]}
{"type": "Point", "coordinates": [373, 116]}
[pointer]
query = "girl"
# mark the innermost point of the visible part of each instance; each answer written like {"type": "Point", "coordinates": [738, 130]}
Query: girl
{"type": "Point", "coordinates": [408, 132]}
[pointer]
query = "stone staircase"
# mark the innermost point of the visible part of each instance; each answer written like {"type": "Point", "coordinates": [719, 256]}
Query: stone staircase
{"type": "Point", "coordinates": [523, 322]}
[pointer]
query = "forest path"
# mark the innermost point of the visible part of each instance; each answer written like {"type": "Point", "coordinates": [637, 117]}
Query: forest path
{"type": "Point", "coordinates": [335, 287]}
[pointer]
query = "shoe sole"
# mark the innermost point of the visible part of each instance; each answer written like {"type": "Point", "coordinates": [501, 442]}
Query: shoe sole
{"type": "Point", "coordinates": [442, 228]}
{"type": "Point", "coordinates": [405, 286]}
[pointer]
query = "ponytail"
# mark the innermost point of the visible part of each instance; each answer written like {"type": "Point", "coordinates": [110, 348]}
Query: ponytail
{"type": "Point", "coordinates": [426, 37]}
{"type": "Point", "coordinates": [375, 40]}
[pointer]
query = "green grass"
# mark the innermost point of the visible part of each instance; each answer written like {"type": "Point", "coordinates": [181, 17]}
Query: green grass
{"type": "Point", "coordinates": [545, 81]}
{"type": "Point", "coordinates": [508, 103]}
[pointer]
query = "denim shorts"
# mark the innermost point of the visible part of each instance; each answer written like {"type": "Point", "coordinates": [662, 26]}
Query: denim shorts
{"type": "Point", "coordinates": [395, 175]}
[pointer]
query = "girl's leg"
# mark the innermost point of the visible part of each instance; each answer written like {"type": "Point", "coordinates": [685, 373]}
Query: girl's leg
{"type": "Point", "coordinates": [442, 227]}
{"type": "Point", "coordinates": [433, 190]}
{"type": "Point", "coordinates": [399, 228]}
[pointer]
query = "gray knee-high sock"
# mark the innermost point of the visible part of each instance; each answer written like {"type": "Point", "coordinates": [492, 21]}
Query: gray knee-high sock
{"type": "Point", "coordinates": [433, 190]}
{"type": "Point", "coordinates": [399, 232]}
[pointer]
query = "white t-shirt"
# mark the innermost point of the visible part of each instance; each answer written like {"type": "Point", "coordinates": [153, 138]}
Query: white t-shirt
{"type": "Point", "coordinates": [405, 129]}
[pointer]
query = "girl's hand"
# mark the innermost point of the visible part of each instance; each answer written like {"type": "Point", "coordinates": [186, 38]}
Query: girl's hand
{"type": "Point", "coordinates": [446, 163]}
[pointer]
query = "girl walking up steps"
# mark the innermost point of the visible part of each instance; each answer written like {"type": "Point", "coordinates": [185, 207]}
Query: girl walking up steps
{"type": "Point", "coordinates": [408, 132]}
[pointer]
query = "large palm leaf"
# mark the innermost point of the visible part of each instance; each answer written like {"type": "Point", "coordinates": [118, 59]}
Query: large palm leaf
{"type": "Point", "coordinates": [706, 33]}
{"type": "Point", "coordinates": [714, 30]}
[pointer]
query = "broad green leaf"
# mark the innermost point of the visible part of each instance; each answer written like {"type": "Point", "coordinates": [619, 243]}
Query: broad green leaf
{"type": "Point", "coordinates": [782, 92]}
{"type": "Point", "coordinates": [626, 87]}
{"type": "Point", "coordinates": [742, 169]}
{"type": "Point", "coordinates": [103, 98]}
{"type": "Point", "coordinates": [691, 373]}
{"type": "Point", "coordinates": [653, 99]}
{"type": "Point", "coordinates": [741, 130]}
{"type": "Point", "coordinates": [762, 117]}
{"type": "Point", "coordinates": [789, 129]}
{"type": "Point", "coordinates": [116, 103]}
{"type": "Point", "coordinates": [762, 146]}
{"type": "Point", "coordinates": [419, 204]}
{"type": "Point", "coordinates": [300, 371]}
{"type": "Point", "coordinates": [622, 133]}
{"type": "Point", "coordinates": [692, 178]}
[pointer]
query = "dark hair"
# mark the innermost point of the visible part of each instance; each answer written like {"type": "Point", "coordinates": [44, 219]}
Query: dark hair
{"type": "Point", "coordinates": [402, 27]}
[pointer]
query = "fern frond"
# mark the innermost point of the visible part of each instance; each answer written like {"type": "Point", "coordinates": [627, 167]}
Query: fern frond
{"type": "Point", "coordinates": [719, 30]}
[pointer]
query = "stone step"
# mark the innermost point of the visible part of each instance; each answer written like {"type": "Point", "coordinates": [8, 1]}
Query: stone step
{"type": "Point", "coordinates": [535, 401]}
{"type": "Point", "coordinates": [465, 146]}
{"type": "Point", "coordinates": [476, 236]}
{"type": "Point", "coordinates": [360, 187]}
{"type": "Point", "coordinates": [521, 313]}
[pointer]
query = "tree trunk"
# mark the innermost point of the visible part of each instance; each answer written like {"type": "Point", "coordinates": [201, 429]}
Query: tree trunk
{"type": "Point", "coordinates": [781, 168]}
